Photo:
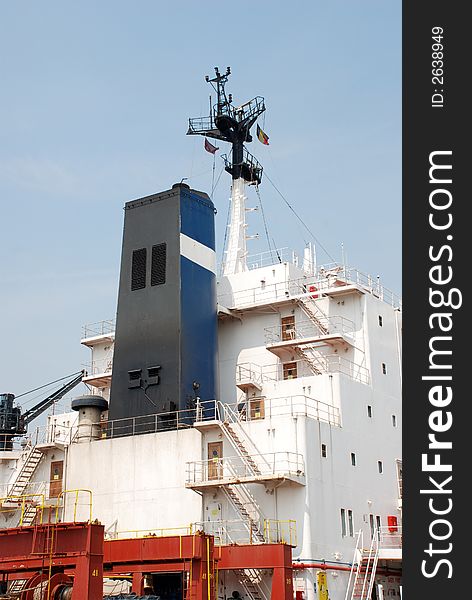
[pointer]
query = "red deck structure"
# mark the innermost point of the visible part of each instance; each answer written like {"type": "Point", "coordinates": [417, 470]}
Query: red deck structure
{"type": "Point", "coordinates": [75, 554]}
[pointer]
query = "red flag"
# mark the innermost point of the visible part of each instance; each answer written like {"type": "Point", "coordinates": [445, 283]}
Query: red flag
{"type": "Point", "coordinates": [209, 147]}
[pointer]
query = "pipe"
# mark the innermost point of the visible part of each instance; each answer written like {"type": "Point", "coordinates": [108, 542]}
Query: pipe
{"type": "Point", "coordinates": [325, 567]}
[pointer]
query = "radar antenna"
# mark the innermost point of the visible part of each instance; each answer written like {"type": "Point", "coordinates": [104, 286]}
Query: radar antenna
{"type": "Point", "coordinates": [233, 124]}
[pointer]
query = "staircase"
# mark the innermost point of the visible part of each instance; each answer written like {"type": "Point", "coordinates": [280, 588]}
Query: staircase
{"type": "Point", "coordinates": [314, 363]}
{"type": "Point", "coordinates": [253, 518]}
{"type": "Point", "coordinates": [240, 448]}
{"type": "Point", "coordinates": [364, 566]}
{"type": "Point", "coordinates": [314, 313]}
{"type": "Point", "coordinates": [240, 440]}
{"type": "Point", "coordinates": [27, 470]}
{"type": "Point", "coordinates": [248, 578]}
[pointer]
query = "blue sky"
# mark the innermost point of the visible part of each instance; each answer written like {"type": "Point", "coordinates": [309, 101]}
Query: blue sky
{"type": "Point", "coordinates": [93, 112]}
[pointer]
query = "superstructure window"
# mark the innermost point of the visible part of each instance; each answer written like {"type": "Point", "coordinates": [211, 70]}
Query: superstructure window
{"type": "Point", "coordinates": [290, 370]}
{"type": "Point", "coordinates": [384, 368]}
{"type": "Point", "coordinates": [324, 452]}
{"type": "Point", "coordinates": [369, 411]}
{"type": "Point", "coordinates": [378, 523]}
{"type": "Point", "coordinates": [138, 269]}
{"type": "Point", "coordinates": [353, 459]}
{"type": "Point", "coordinates": [350, 522]}
{"type": "Point", "coordinates": [394, 420]}
{"type": "Point", "coordinates": [343, 522]}
{"type": "Point", "coordinates": [380, 321]}
{"type": "Point", "coordinates": [380, 466]}
{"type": "Point", "coordinates": [158, 264]}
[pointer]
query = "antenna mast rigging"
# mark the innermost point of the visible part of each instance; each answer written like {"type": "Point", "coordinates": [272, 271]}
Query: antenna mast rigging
{"type": "Point", "coordinates": [233, 124]}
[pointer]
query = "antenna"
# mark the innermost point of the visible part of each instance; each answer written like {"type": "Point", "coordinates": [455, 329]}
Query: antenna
{"type": "Point", "coordinates": [233, 124]}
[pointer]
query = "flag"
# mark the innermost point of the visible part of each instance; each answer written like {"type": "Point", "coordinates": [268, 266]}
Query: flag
{"type": "Point", "coordinates": [262, 137]}
{"type": "Point", "coordinates": [209, 147]}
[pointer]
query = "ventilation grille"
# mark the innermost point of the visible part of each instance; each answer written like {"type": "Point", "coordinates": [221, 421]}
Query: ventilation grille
{"type": "Point", "coordinates": [158, 264]}
{"type": "Point", "coordinates": [138, 269]}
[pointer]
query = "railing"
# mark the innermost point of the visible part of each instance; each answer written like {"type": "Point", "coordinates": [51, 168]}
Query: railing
{"type": "Point", "coordinates": [145, 533]}
{"type": "Point", "coordinates": [306, 328]}
{"type": "Point", "coordinates": [54, 433]}
{"type": "Point", "coordinates": [390, 537]}
{"type": "Point", "coordinates": [327, 279]}
{"type": "Point", "coordinates": [99, 367]}
{"type": "Point", "coordinates": [271, 257]}
{"type": "Point", "coordinates": [247, 373]}
{"type": "Point", "coordinates": [23, 503]}
{"type": "Point", "coordinates": [273, 464]}
{"type": "Point", "coordinates": [298, 405]}
{"type": "Point", "coordinates": [32, 488]}
{"type": "Point", "coordinates": [330, 363]}
{"type": "Point", "coordinates": [241, 531]}
{"type": "Point", "coordinates": [281, 532]}
{"type": "Point", "coordinates": [106, 327]}
{"type": "Point", "coordinates": [225, 532]}
{"type": "Point", "coordinates": [77, 494]}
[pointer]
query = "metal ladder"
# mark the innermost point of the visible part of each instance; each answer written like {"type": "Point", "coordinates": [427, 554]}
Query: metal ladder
{"type": "Point", "coordinates": [248, 579]}
{"type": "Point", "coordinates": [314, 313]}
{"type": "Point", "coordinates": [312, 362]}
{"type": "Point", "coordinates": [252, 521]}
{"type": "Point", "coordinates": [239, 439]}
{"type": "Point", "coordinates": [26, 472]}
{"type": "Point", "coordinates": [364, 566]}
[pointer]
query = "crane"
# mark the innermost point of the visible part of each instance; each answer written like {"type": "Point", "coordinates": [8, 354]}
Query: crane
{"type": "Point", "coordinates": [14, 422]}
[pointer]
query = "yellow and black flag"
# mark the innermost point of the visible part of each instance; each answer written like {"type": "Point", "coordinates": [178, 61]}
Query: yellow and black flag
{"type": "Point", "coordinates": [262, 137]}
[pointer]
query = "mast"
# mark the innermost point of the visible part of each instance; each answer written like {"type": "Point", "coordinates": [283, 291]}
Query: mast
{"type": "Point", "coordinates": [233, 124]}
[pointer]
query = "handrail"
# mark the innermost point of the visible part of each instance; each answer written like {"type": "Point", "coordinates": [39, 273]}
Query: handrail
{"type": "Point", "coordinates": [307, 328]}
{"type": "Point", "coordinates": [106, 327]}
{"type": "Point", "coordinates": [271, 463]}
{"type": "Point", "coordinates": [77, 491]}
{"type": "Point", "coordinates": [326, 279]}
{"type": "Point", "coordinates": [23, 502]}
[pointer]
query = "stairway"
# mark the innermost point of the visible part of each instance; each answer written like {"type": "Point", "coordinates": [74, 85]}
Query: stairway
{"type": "Point", "coordinates": [252, 521]}
{"type": "Point", "coordinates": [312, 362]}
{"type": "Point", "coordinates": [240, 440]}
{"type": "Point", "coordinates": [314, 313]}
{"type": "Point", "coordinates": [248, 579]}
{"type": "Point", "coordinates": [240, 448]}
{"type": "Point", "coordinates": [363, 570]}
{"type": "Point", "coordinates": [27, 470]}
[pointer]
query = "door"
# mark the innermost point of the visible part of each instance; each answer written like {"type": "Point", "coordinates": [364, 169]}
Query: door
{"type": "Point", "coordinates": [288, 328]}
{"type": "Point", "coordinates": [55, 483]}
{"type": "Point", "coordinates": [215, 455]}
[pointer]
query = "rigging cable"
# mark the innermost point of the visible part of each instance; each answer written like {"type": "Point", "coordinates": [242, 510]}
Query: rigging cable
{"type": "Point", "coordinates": [299, 218]}
{"type": "Point", "coordinates": [47, 385]}
{"type": "Point", "coordinates": [265, 223]}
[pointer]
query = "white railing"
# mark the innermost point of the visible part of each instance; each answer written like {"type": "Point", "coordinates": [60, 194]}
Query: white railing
{"type": "Point", "coordinates": [53, 433]}
{"type": "Point", "coordinates": [309, 286]}
{"type": "Point", "coordinates": [272, 464]}
{"type": "Point", "coordinates": [32, 488]}
{"type": "Point", "coordinates": [327, 364]}
{"type": "Point", "coordinates": [99, 367]}
{"type": "Point", "coordinates": [390, 537]}
{"type": "Point", "coordinates": [298, 405]}
{"type": "Point", "coordinates": [269, 258]}
{"type": "Point", "coordinates": [106, 327]}
{"type": "Point", "coordinates": [250, 373]}
{"type": "Point", "coordinates": [301, 406]}
{"type": "Point", "coordinates": [306, 328]}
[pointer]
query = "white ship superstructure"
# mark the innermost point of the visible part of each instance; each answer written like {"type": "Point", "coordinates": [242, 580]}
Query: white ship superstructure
{"type": "Point", "coordinates": [300, 446]}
